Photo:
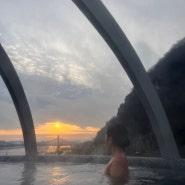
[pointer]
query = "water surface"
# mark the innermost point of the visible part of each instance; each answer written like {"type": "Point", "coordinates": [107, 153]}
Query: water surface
{"type": "Point", "coordinates": [59, 173]}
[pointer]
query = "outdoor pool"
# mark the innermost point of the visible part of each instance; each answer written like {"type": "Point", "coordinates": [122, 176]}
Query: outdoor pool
{"type": "Point", "coordinates": [62, 173]}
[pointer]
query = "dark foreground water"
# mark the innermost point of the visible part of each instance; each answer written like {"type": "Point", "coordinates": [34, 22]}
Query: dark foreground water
{"type": "Point", "coordinates": [59, 173]}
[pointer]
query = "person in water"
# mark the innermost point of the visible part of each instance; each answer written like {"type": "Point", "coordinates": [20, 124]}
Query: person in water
{"type": "Point", "coordinates": [117, 140]}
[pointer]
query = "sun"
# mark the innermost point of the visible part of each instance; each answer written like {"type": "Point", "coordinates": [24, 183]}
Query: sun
{"type": "Point", "coordinates": [67, 131]}
{"type": "Point", "coordinates": [57, 125]}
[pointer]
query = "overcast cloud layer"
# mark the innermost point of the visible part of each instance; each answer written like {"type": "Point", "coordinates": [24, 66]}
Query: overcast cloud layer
{"type": "Point", "coordinates": [68, 72]}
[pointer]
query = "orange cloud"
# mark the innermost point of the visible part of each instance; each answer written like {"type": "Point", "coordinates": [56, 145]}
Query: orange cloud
{"type": "Point", "coordinates": [11, 132]}
{"type": "Point", "coordinates": [11, 135]}
{"type": "Point", "coordinates": [51, 129]}
{"type": "Point", "coordinates": [66, 130]}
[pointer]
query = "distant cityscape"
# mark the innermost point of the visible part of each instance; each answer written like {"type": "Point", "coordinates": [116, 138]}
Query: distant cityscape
{"type": "Point", "coordinates": [58, 146]}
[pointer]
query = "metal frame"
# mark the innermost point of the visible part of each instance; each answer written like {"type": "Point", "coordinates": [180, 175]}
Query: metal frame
{"type": "Point", "coordinates": [105, 24]}
{"type": "Point", "coordinates": [16, 91]}
{"type": "Point", "coordinates": [107, 27]}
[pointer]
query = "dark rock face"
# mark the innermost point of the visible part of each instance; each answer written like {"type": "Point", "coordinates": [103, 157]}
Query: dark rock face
{"type": "Point", "coordinates": [168, 78]}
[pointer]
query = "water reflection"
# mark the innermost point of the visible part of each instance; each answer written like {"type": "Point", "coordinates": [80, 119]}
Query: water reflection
{"type": "Point", "coordinates": [58, 176]}
{"type": "Point", "coordinates": [28, 174]}
{"type": "Point", "coordinates": [85, 174]}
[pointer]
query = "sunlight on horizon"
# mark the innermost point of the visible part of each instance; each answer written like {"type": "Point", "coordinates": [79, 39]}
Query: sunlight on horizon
{"type": "Point", "coordinates": [49, 130]}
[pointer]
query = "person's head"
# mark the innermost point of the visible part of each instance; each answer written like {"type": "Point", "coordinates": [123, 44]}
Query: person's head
{"type": "Point", "coordinates": [117, 135]}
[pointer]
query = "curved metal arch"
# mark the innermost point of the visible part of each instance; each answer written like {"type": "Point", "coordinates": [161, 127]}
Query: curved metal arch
{"type": "Point", "coordinates": [16, 91]}
{"type": "Point", "coordinates": [105, 24]}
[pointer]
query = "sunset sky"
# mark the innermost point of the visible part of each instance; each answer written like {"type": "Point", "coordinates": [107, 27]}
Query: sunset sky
{"type": "Point", "coordinates": [70, 76]}
{"type": "Point", "coordinates": [49, 131]}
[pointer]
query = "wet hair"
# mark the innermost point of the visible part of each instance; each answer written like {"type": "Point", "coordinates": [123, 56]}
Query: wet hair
{"type": "Point", "coordinates": [119, 134]}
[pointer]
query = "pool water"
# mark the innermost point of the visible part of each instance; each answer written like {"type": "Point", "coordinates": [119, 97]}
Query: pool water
{"type": "Point", "coordinates": [59, 173]}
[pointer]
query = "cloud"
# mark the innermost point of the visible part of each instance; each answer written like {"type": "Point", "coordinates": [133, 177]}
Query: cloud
{"type": "Point", "coordinates": [8, 114]}
{"type": "Point", "coordinates": [51, 130]}
{"type": "Point", "coordinates": [11, 132]}
{"type": "Point", "coordinates": [158, 25]}
{"type": "Point", "coordinates": [146, 54]}
{"type": "Point", "coordinates": [64, 129]}
{"type": "Point", "coordinates": [50, 99]}
{"type": "Point", "coordinates": [67, 70]}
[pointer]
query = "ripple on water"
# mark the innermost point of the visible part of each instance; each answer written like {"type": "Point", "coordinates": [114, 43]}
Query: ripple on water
{"type": "Point", "coordinates": [81, 174]}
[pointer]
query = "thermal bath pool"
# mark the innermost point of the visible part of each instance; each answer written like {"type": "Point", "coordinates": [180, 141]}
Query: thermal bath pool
{"type": "Point", "coordinates": [60, 173]}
